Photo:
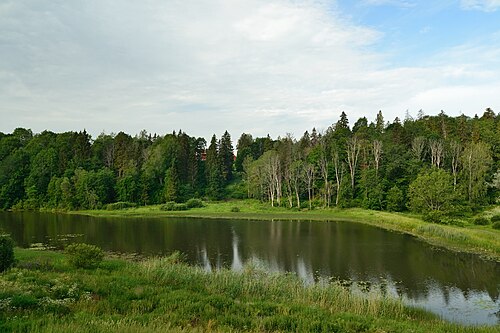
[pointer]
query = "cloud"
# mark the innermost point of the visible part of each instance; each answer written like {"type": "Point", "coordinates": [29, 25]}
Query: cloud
{"type": "Point", "coordinates": [482, 5]}
{"type": "Point", "coordinates": [397, 3]}
{"type": "Point", "coordinates": [206, 66]}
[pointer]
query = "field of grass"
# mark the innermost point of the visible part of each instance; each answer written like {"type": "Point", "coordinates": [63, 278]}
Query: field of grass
{"type": "Point", "coordinates": [44, 294]}
{"type": "Point", "coordinates": [482, 240]}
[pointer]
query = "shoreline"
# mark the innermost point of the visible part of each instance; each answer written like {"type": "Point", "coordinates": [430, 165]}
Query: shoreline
{"type": "Point", "coordinates": [479, 240]}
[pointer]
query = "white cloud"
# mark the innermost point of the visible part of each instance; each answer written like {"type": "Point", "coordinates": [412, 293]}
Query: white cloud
{"type": "Point", "coordinates": [397, 3]}
{"type": "Point", "coordinates": [482, 5]}
{"type": "Point", "coordinates": [207, 66]}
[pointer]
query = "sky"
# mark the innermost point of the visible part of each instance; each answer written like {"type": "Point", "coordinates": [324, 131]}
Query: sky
{"type": "Point", "coordinates": [245, 66]}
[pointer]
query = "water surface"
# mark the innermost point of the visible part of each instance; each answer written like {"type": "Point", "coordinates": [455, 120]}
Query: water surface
{"type": "Point", "coordinates": [459, 287]}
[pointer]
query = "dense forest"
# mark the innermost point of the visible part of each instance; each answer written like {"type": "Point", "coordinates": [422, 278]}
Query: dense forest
{"type": "Point", "coordinates": [431, 164]}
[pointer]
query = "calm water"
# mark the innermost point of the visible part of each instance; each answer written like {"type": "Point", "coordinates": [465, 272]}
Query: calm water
{"type": "Point", "coordinates": [459, 287]}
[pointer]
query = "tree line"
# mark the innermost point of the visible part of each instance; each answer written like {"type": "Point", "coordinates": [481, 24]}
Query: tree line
{"type": "Point", "coordinates": [426, 164]}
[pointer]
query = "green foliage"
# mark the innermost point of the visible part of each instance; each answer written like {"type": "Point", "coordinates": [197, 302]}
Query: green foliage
{"type": "Point", "coordinates": [372, 190]}
{"type": "Point", "coordinates": [120, 205]}
{"type": "Point", "coordinates": [83, 255]}
{"type": "Point", "coordinates": [127, 188]}
{"type": "Point", "coordinates": [496, 225]}
{"type": "Point", "coordinates": [235, 209]}
{"type": "Point", "coordinates": [481, 220]}
{"type": "Point", "coordinates": [432, 191]}
{"type": "Point", "coordinates": [169, 206]}
{"type": "Point", "coordinates": [7, 259]}
{"type": "Point", "coordinates": [451, 221]}
{"type": "Point", "coordinates": [171, 184]}
{"type": "Point", "coordinates": [227, 156]}
{"type": "Point", "coordinates": [395, 200]}
{"type": "Point", "coordinates": [173, 206]}
{"type": "Point", "coordinates": [73, 171]}
{"type": "Point", "coordinates": [476, 161]}
{"type": "Point", "coordinates": [433, 216]}
{"type": "Point", "coordinates": [194, 203]}
{"type": "Point", "coordinates": [495, 218]}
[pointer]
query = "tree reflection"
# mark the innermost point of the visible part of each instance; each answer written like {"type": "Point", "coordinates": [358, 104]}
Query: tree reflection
{"type": "Point", "coordinates": [398, 265]}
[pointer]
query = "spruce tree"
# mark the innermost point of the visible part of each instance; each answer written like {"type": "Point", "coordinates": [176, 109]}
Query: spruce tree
{"type": "Point", "coordinates": [226, 154]}
{"type": "Point", "coordinates": [215, 188]}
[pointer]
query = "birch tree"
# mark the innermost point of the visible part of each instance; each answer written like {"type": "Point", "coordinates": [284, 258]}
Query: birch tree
{"type": "Point", "coordinates": [377, 154]}
{"type": "Point", "coordinates": [455, 151]}
{"type": "Point", "coordinates": [338, 167]}
{"type": "Point", "coordinates": [437, 152]}
{"type": "Point", "coordinates": [352, 149]}
{"type": "Point", "coordinates": [309, 173]}
{"type": "Point", "coordinates": [418, 148]}
{"type": "Point", "coordinates": [297, 176]}
{"type": "Point", "coordinates": [476, 160]}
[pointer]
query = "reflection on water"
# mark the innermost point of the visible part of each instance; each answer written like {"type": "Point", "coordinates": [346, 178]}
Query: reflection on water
{"type": "Point", "coordinates": [459, 287]}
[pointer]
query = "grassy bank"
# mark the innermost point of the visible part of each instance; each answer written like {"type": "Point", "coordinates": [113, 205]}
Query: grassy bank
{"type": "Point", "coordinates": [44, 294]}
{"type": "Point", "coordinates": [482, 240]}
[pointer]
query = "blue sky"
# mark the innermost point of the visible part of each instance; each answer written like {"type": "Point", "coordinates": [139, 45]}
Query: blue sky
{"type": "Point", "coordinates": [413, 31]}
{"type": "Point", "coordinates": [253, 66]}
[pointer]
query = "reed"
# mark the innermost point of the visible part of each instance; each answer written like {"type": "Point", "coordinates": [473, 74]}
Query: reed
{"type": "Point", "coordinates": [166, 295]}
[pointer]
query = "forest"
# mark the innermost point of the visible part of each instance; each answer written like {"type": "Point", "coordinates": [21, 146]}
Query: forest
{"type": "Point", "coordinates": [439, 166]}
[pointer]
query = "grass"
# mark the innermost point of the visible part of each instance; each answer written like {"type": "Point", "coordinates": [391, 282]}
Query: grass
{"type": "Point", "coordinates": [482, 240]}
{"type": "Point", "coordinates": [165, 295]}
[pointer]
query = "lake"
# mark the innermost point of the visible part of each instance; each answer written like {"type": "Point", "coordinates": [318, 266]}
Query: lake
{"type": "Point", "coordinates": [459, 287]}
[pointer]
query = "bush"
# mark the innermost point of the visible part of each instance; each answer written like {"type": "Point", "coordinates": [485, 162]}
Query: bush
{"type": "Point", "coordinates": [481, 220]}
{"type": "Point", "coordinates": [194, 203]}
{"type": "Point", "coordinates": [168, 206]}
{"type": "Point", "coordinates": [120, 205]}
{"type": "Point", "coordinates": [495, 218]}
{"type": "Point", "coordinates": [434, 216]}
{"type": "Point", "coordinates": [181, 206]}
{"type": "Point", "coordinates": [455, 222]}
{"type": "Point", "coordinates": [235, 209]}
{"type": "Point", "coordinates": [172, 206]}
{"type": "Point", "coordinates": [6, 252]}
{"type": "Point", "coordinates": [496, 225]}
{"type": "Point", "coordinates": [84, 255]}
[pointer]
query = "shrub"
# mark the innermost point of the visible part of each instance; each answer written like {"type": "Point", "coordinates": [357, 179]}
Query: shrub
{"type": "Point", "coordinates": [181, 206]}
{"type": "Point", "coordinates": [433, 216]}
{"type": "Point", "coordinates": [496, 225]}
{"type": "Point", "coordinates": [6, 252]}
{"type": "Point", "coordinates": [172, 206]}
{"type": "Point", "coordinates": [495, 218]}
{"type": "Point", "coordinates": [84, 255]}
{"type": "Point", "coordinates": [455, 222]}
{"type": "Point", "coordinates": [481, 220]}
{"type": "Point", "coordinates": [194, 203]}
{"type": "Point", "coordinates": [168, 206]}
{"type": "Point", "coordinates": [235, 209]}
{"type": "Point", "coordinates": [120, 205]}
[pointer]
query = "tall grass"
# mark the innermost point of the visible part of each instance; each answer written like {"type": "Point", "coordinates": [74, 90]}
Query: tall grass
{"type": "Point", "coordinates": [166, 295]}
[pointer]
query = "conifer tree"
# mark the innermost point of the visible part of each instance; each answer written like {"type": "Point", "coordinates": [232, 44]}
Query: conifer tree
{"type": "Point", "coordinates": [226, 154]}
